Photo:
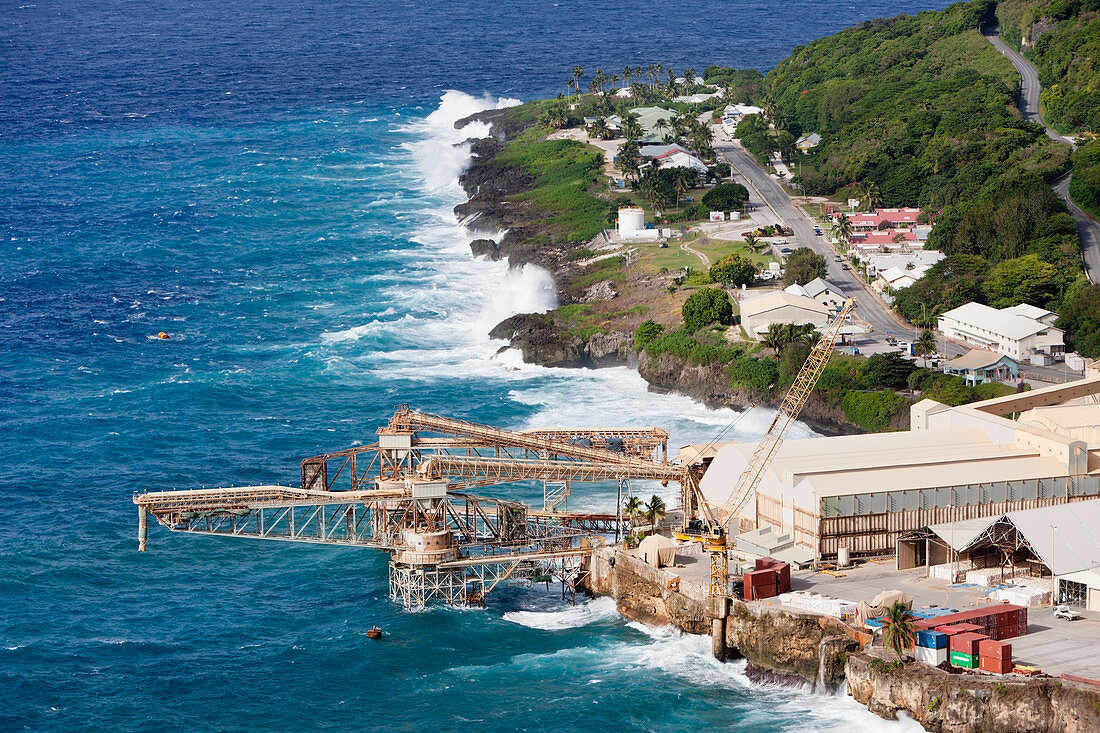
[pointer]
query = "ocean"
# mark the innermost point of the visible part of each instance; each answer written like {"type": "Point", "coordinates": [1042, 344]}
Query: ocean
{"type": "Point", "coordinates": [272, 184]}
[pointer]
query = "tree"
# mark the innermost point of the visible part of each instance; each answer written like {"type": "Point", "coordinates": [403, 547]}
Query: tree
{"type": "Point", "coordinates": [599, 129]}
{"type": "Point", "coordinates": [726, 197]}
{"type": "Point", "coordinates": [899, 628]}
{"type": "Point", "coordinates": [1080, 317]}
{"type": "Point", "coordinates": [842, 229]}
{"type": "Point", "coordinates": [633, 509]}
{"type": "Point", "coordinates": [646, 334]}
{"type": "Point", "coordinates": [754, 243]}
{"type": "Point", "coordinates": [1025, 279]}
{"type": "Point", "coordinates": [872, 197]}
{"type": "Point", "coordinates": [655, 510]}
{"type": "Point", "coordinates": [706, 306]}
{"type": "Point", "coordinates": [682, 179]}
{"type": "Point", "coordinates": [578, 72]}
{"type": "Point", "coordinates": [733, 269]}
{"type": "Point", "coordinates": [925, 345]}
{"type": "Point", "coordinates": [630, 160]}
{"type": "Point", "coordinates": [632, 128]}
{"type": "Point", "coordinates": [804, 265]}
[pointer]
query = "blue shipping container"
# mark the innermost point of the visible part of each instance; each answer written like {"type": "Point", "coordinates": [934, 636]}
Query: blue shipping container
{"type": "Point", "coordinates": [931, 639]}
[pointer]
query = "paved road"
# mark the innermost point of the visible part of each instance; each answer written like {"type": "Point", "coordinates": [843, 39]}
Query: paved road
{"type": "Point", "coordinates": [1088, 229]}
{"type": "Point", "coordinates": [768, 195]}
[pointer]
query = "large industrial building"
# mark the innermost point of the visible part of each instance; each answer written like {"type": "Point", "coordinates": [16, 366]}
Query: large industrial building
{"type": "Point", "coordinates": [861, 492]}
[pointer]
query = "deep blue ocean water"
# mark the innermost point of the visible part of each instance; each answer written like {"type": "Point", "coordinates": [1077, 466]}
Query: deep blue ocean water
{"type": "Point", "coordinates": [272, 183]}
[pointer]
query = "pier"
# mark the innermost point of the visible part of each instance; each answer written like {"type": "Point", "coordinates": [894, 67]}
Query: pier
{"type": "Point", "coordinates": [409, 494]}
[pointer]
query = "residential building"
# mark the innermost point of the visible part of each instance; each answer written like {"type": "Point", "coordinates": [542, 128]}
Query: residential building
{"type": "Point", "coordinates": [1004, 331]}
{"type": "Point", "coordinates": [899, 278]}
{"type": "Point", "coordinates": [979, 366]}
{"type": "Point", "coordinates": [807, 143]}
{"type": "Point", "coordinates": [821, 290]}
{"type": "Point", "coordinates": [648, 117]}
{"type": "Point", "coordinates": [876, 263]}
{"type": "Point", "coordinates": [677, 159]}
{"type": "Point", "coordinates": [904, 218]}
{"type": "Point", "coordinates": [781, 307]}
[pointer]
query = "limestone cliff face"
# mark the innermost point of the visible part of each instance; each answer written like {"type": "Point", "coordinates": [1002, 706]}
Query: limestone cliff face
{"type": "Point", "coordinates": [779, 646]}
{"type": "Point", "coordinates": [967, 703]}
{"type": "Point", "coordinates": [542, 342]}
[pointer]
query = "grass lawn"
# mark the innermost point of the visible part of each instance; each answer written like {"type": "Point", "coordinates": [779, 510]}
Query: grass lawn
{"type": "Point", "coordinates": [674, 258]}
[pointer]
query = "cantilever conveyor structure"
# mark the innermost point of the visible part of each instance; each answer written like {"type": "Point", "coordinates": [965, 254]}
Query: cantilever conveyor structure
{"type": "Point", "coordinates": [407, 494]}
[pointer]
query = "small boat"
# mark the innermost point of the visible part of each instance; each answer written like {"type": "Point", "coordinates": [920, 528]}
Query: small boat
{"type": "Point", "coordinates": [374, 633]}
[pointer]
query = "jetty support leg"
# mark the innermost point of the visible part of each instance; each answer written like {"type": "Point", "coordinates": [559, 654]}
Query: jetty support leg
{"type": "Point", "coordinates": [718, 609]}
{"type": "Point", "coordinates": [143, 527]}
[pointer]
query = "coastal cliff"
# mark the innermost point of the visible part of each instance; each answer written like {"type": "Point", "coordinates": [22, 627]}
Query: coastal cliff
{"type": "Point", "coordinates": [964, 703]}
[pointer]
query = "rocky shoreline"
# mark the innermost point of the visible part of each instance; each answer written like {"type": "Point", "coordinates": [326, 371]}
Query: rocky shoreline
{"type": "Point", "coordinates": [506, 229]}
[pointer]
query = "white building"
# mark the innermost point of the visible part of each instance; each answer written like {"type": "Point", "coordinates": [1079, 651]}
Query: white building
{"type": "Point", "coordinates": [877, 263]}
{"type": "Point", "coordinates": [631, 224]}
{"type": "Point", "coordinates": [899, 278]}
{"type": "Point", "coordinates": [821, 290]}
{"type": "Point", "coordinates": [1005, 331]}
{"type": "Point", "coordinates": [781, 307]}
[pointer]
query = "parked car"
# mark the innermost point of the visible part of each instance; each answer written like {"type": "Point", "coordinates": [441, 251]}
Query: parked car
{"type": "Point", "coordinates": [1067, 613]}
{"type": "Point", "coordinates": [844, 266]}
{"type": "Point", "coordinates": [836, 258]}
{"type": "Point", "coordinates": [786, 250]}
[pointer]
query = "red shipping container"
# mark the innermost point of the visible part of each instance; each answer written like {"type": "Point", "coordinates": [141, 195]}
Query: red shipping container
{"type": "Point", "coordinates": [760, 584]}
{"type": "Point", "coordinates": [782, 571]}
{"type": "Point", "coordinates": [958, 629]}
{"type": "Point", "coordinates": [996, 666]}
{"type": "Point", "coordinates": [967, 643]}
{"type": "Point", "coordinates": [995, 649]}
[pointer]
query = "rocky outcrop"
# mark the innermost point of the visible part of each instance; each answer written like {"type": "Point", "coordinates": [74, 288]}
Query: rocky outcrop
{"type": "Point", "coordinates": [947, 702]}
{"type": "Point", "coordinates": [542, 342]}
{"type": "Point", "coordinates": [792, 648]}
{"type": "Point", "coordinates": [485, 248]}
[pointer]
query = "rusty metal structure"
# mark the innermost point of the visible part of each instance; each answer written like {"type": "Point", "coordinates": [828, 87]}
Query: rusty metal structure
{"type": "Point", "coordinates": [410, 494]}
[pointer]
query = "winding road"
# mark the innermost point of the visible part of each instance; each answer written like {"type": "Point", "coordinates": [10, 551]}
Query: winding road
{"type": "Point", "coordinates": [1088, 229]}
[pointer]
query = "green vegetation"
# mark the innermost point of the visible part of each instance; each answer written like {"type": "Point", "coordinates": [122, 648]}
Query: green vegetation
{"type": "Point", "coordinates": [899, 628]}
{"type": "Point", "coordinates": [726, 197]}
{"type": "Point", "coordinates": [564, 172]}
{"type": "Point", "coordinates": [701, 347]}
{"type": "Point", "coordinates": [804, 265]}
{"type": "Point", "coordinates": [871, 411]}
{"type": "Point", "coordinates": [1063, 42]}
{"type": "Point", "coordinates": [646, 334]}
{"type": "Point", "coordinates": [733, 269]}
{"type": "Point", "coordinates": [758, 374]}
{"type": "Point", "coordinates": [707, 306]}
{"type": "Point", "coordinates": [1084, 187]}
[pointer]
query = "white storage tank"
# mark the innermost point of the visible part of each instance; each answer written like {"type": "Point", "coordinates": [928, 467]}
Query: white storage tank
{"type": "Point", "coordinates": [631, 221]}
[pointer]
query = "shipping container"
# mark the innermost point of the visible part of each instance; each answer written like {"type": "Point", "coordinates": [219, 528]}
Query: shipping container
{"type": "Point", "coordinates": [761, 584]}
{"type": "Point", "coordinates": [959, 659]}
{"type": "Point", "coordinates": [995, 649]}
{"type": "Point", "coordinates": [931, 639]}
{"type": "Point", "coordinates": [966, 643]}
{"type": "Point", "coordinates": [996, 666]}
{"type": "Point", "coordinates": [933, 657]}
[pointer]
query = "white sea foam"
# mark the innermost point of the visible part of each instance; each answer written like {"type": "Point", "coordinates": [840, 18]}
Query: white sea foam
{"type": "Point", "coordinates": [570, 617]}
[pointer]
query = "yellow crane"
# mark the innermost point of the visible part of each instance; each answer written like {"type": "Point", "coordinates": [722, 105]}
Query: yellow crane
{"type": "Point", "coordinates": [710, 525]}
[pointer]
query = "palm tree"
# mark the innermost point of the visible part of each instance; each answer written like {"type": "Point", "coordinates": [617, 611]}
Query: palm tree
{"type": "Point", "coordinates": [655, 510]}
{"type": "Point", "coordinates": [599, 129]}
{"type": "Point", "coordinates": [925, 345]}
{"type": "Point", "coordinates": [899, 630]}
{"type": "Point", "coordinates": [632, 129]}
{"type": "Point", "coordinates": [683, 179]}
{"type": "Point", "coordinates": [842, 228]}
{"type": "Point", "coordinates": [578, 72]}
{"type": "Point", "coordinates": [660, 125]}
{"type": "Point", "coordinates": [774, 339]}
{"type": "Point", "coordinates": [872, 197]}
{"type": "Point", "coordinates": [632, 509]}
{"type": "Point", "coordinates": [755, 243]}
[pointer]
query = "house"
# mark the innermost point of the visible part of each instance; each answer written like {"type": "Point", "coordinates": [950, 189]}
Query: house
{"type": "Point", "coordinates": [905, 218]}
{"type": "Point", "coordinates": [678, 159]}
{"type": "Point", "coordinates": [648, 117]}
{"type": "Point", "coordinates": [695, 98]}
{"type": "Point", "coordinates": [807, 143]}
{"type": "Point", "coordinates": [740, 110]}
{"type": "Point", "coordinates": [656, 151]}
{"type": "Point", "coordinates": [979, 366]}
{"type": "Point", "coordinates": [1004, 331]}
{"type": "Point", "coordinates": [821, 290]}
{"type": "Point", "coordinates": [876, 263]}
{"type": "Point", "coordinates": [881, 240]}
{"type": "Point", "coordinates": [1030, 311]}
{"type": "Point", "coordinates": [781, 307]}
{"type": "Point", "coordinates": [899, 278]}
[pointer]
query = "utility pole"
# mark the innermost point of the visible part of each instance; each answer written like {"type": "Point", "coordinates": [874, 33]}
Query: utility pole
{"type": "Point", "coordinates": [1053, 581]}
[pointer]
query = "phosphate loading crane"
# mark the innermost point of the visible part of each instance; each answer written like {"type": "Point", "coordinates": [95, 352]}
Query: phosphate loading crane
{"type": "Point", "coordinates": [407, 494]}
{"type": "Point", "coordinates": [710, 524]}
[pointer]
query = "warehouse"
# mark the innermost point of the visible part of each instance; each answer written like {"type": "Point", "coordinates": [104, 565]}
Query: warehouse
{"type": "Point", "coordinates": [1059, 541]}
{"type": "Point", "coordinates": [861, 492]}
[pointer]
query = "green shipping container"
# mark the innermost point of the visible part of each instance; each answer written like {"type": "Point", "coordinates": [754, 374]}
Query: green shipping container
{"type": "Point", "coordinates": [958, 659]}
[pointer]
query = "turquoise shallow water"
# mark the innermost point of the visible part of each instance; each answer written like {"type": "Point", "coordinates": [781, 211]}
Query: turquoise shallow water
{"type": "Point", "coordinates": [279, 200]}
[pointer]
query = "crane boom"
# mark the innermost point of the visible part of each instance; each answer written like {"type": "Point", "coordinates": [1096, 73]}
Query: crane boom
{"type": "Point", "coordinates": [786, 415]}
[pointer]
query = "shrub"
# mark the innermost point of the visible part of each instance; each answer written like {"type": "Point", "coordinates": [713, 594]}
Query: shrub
{"type": "Point", "coordinates": [707, 306]}
{"type": "Point", "coordinates": [871, 411]}
{"type": "Point", "coordinates": [948, 389]}
{"type": "Point", "coordinates": [750, 372]}
{"type": "Point", "coordinates": [646, 334]}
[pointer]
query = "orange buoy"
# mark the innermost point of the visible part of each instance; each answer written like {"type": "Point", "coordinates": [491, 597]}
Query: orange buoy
{"type": "Point", "coordinates": [162, 336]}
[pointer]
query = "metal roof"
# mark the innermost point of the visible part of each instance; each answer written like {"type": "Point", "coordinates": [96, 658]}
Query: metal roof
{"type": "Point", "coordinates": [1066, 537]}
{"type": "Point", "coordinates": [1001, 323]}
